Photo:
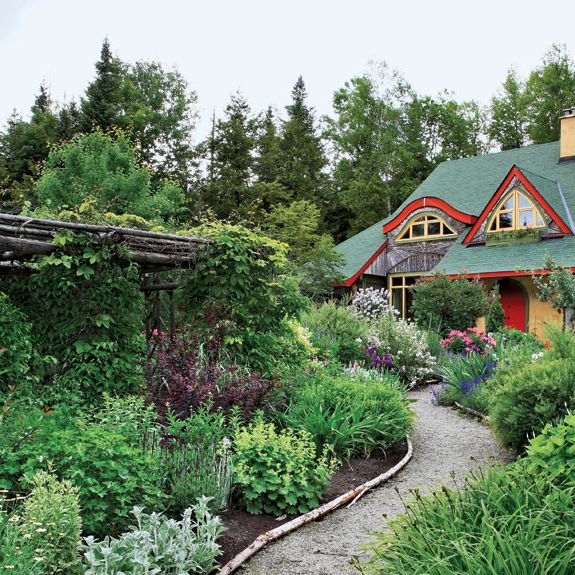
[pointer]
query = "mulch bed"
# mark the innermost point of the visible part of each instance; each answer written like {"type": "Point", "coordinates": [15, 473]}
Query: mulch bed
{"type": "Point", "coordinates": [243, 528]}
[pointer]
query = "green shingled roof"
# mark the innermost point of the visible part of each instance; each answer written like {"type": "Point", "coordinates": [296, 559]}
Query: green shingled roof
{"type": "Point", "coordinates": [468, 184]}
{"type": "Point", "coordinates": [359, 248]}
{"type": "Point", "coordinates": [506, 257]}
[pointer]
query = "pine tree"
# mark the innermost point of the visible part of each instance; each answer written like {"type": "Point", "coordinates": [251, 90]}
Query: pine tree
{"type": "Point", "coordinates": [303, 158]}
{"type": "Point", "coordinates": [102, 106]}
{"type": "Point", "coordinates": [495, 316]}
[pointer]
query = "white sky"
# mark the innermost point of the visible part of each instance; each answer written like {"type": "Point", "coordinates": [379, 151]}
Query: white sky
{"type": "Point", "coordinates": [261, 46]}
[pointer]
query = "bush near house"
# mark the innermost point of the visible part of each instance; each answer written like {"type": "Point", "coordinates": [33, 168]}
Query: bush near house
{"type": "Point", "coordinates": [443, 304]}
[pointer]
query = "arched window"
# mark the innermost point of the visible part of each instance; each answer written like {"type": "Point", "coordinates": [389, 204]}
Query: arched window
{"type": "Point", "coordinates": [515, 212]}
{"type": "Point", "coordinates": [426, 227]}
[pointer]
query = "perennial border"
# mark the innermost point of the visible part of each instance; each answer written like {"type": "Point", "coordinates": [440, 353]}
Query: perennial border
{"type": "Point", "coordinates": [350, 497]}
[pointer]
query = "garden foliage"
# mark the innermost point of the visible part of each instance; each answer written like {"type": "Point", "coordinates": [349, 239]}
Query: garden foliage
{"type": "Point", "coordinates": [401, 347]}
{"type": "Point", "coordinates": [86, 308]}
{"type": "Point", "coordinates": [278, 472]}
{"type": "Point", "coordinates": [51, 522]}
{"type": "Point", "coordinates": [335, 331]}
{"type": "Point", "coordinates": [350, 417]}
{"type": "Point", "coordinates": [372, 303]}
{"type": "Point", "coordinates": [495, 319]}
{"type": "Point", "coordinates": [158, 545]}
{"type": "Point", "coordinates": [470, 340]}
{"type": "Point", "coordinates": [15, 344]}
{"type": "Point", "coordinates": [244, 284]}
{"type": "Point", "coordinates": [444, 304]}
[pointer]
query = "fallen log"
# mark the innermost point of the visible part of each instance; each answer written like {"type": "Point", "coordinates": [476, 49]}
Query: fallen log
{"type": "Point", "coordinates": [298, 522]}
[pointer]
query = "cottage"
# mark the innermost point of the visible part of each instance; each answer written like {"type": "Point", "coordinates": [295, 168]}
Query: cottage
{"type": "Point", "coordinates": [496, 217]}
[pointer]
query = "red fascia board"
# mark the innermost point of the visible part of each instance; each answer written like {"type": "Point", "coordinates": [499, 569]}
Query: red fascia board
{"type": "Point", "coordinates": [349, 282]}
{"type": "Point", "coordinates": [515, 171]}
{"type": "Point", "coordinates": [485, 275]}
{"type": "Point", "coordinates": [429, 203]}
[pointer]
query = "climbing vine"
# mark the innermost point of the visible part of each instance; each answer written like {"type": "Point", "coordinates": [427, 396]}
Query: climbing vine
{"type": "Point", "coordinates": [85, 305]}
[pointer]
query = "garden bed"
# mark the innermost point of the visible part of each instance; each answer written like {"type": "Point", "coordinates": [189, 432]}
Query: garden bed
{"type": "Point", "coordinates": [244, 528]}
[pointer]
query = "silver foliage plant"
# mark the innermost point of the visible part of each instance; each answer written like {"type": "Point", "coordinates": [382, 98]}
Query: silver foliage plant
{"type": "Point", "coordinates": [158, 545]}
{"type": "Point", "coordinates": [371, 303]}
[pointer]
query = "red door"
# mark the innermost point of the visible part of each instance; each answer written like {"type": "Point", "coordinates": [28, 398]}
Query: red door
{"type": "Point", "coordinates": [513, 304]}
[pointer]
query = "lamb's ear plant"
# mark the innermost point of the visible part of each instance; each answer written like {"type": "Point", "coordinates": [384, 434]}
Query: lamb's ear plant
{"type": "Point", "coordinates": [158, 545]}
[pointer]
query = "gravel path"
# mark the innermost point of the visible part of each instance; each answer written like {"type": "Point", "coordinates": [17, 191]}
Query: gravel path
{"type": "Point", "coordinates": [444, 441]}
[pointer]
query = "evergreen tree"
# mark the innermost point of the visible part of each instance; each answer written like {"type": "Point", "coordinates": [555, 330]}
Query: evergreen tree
{"type": "Point", "coordinates": [103, 105]}
{"type": "Point", "coordinates": [268, 188]}
{"type": "Point", "coordinates": [23, 148]}
{"type": "Point", "coordinates": [69, 122]}
{"type": "Point", "coordinates": [495, 316]}
{"type": "Point", "coordinates": [302, 154]}
{"type": "Point", "coordinates": [229, 151]}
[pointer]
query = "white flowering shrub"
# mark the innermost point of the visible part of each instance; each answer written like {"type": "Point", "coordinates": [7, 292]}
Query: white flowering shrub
{"type": "Point", "coordinates": [400, 347]}
{"type": "Point", "coordinates": [159, 545]}
{"type": "Point", "coordinates": [372, 304]}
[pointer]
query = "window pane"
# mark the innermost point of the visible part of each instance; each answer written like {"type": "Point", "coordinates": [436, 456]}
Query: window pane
{"type": "Point", "coordinates": [417, 230]}
{"type": "Point", "coordinates": [505, 221]}
{"type": "Point", "coordinates": [410, 280]}
{"type": "Point", "coordinates": [539, 220]}
{"type": "Point", "coordinates": [524, 202]}
{"type": "Point", "coordinates": [433, 228]}
{"type": "Point", "coordinates": [493, 225]}
{"type": "Point", "coordinates": [397, 299]}
{"type": "Point", "coordinates": [509, 203]}
{"type": "Point", "coordinates": [396, 281]}
{"type": "Point", "coordinates": [526, 218]}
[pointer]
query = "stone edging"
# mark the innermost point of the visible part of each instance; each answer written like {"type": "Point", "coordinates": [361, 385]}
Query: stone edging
{"type": "Point", "coordinates": [478, 414]}
{"type": "Point", "coordinates": [351, 496]}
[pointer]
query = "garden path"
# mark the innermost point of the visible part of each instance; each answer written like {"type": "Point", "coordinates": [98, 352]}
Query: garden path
{"type": "Point", "coordinates": [444, 442]}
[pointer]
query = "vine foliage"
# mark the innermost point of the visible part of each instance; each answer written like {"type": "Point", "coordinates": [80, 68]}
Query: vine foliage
{"type": "Point", "coordinates": [86, 308]}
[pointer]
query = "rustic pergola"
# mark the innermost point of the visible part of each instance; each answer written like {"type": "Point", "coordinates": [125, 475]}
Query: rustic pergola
{"type": "Point", "coordinates": [22, 238]}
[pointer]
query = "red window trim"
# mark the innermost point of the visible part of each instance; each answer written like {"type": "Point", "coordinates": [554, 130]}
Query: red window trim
{"type": "Point", "coordinates": [515, 172]}
{"type": "Point", "coordinates": [428, 202]}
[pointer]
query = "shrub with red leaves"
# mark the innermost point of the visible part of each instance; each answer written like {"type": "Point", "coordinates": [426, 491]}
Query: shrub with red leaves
{"type": "Point", "coordinates": [186, 378]}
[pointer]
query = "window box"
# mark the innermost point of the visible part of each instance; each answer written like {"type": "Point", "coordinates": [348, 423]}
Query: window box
{"type": "Point", "coordinates": [513, 237]}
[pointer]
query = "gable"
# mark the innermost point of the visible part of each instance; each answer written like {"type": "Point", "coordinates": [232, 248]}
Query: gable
{"type": "Point", "coordinates": [516, 179]}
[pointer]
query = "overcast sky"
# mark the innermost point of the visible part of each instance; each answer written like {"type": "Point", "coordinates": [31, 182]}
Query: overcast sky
{"type": "Point", "coordinates": [261, 46]}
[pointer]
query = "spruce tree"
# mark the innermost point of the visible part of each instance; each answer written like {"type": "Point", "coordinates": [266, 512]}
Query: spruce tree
{"type": "Point", "coordinates": [102, 106]}
{"type": "Point", "coordinates": [229, 151]}
{"type": "Point", "coordinates": [495, 316]}
{"type": "Point", "coordinates": [303, 158]}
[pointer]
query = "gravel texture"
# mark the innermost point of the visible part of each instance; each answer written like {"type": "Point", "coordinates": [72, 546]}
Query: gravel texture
{"type": "Point", "coordinates": [444, 442]}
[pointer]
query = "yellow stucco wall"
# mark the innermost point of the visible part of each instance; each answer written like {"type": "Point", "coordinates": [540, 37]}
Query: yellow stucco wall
{"type": "Point", "coordinates": [539, 312]}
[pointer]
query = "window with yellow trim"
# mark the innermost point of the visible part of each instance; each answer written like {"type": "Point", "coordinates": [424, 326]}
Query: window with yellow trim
{"type": "Point", "coordinates": [426, 227]}
{"type": "Point", "coordinates": [400, 294]}
{"type": "Point", "coordinates": [515, 212]}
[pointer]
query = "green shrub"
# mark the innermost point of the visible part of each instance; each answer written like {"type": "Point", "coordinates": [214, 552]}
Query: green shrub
{"type": "Point", "coordinates": [405, 344]}
{"type": "Point", "coordinates": [15, 344]}
{"type": "Point", "coordinates": [551, 453]}
{"type": "Point", "coordinates": [195, 455]}
{"type": "Point", "coordinates": [51, 521]}
{"type": "Point", "coordinates": [443, 304]}
{"type": "Point", "coordinates": [506, 523]}
{"type": "Point", "coordinates": [159, 545]}
{"type": "Point", "coordinates": [17, 555]}
{"type": "Point", "coordinates": [351, 417]}
{"type": "Point", "coordinates": [495, 319]}
{"type": "Point", "coordinates": [509, 339]}
{"type": "Point", "coordinates": [561, 342]}
{"type": "Point", "coordinates": [334, 331]}
{"type": "Point", "coordinates": [101, 460]}
{"type": "Point", "coordinates": [530, 397]}
{"type": "Point", "coordinates": [279, 473]}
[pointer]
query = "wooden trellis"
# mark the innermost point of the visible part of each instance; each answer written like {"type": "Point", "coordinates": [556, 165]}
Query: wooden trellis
{"type": "Point", "coordinates": [22, 238]}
